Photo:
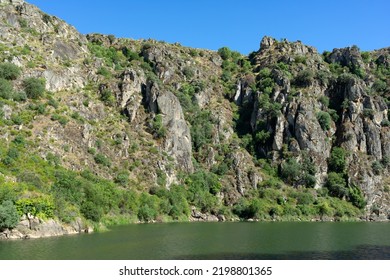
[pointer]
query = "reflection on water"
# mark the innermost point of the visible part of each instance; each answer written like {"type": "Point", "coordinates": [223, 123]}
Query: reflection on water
{"type": "Point", "coordinates": [214, 241]}
{"type": "Point", "coordinates": [364, 252]}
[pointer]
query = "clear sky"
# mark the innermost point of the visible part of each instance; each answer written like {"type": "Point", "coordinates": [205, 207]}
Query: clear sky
{"type": "Point", "coordinates": [237, 24]}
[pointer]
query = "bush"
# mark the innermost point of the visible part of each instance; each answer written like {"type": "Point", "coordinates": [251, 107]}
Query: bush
{"type": "Point", "coordinates": [377, 167]}
{"type": "Point", "coordinates": [6, 89]}
{"type": "Point", "coordinates": [158, 127]}
{"type": "Point", "coordinates": [324, 120]}
{"type": "Point", "coordinates": [356, 197]}
{"type": "Point", "coordinates": [91, 211]}
{"type": "Point", "coordinates": [247, 209]}
{"type": "Point", "coordinates": [34, 87]}
{"type": "Point", "coordinates": [291, 170]}
{"type": "Point", "coordinates": [324, 100]}
{"type": "Point", "coordinates": [108, 97]}
{"type": "Point", "coordinates": [149, 206]}
{"type": "Point", "coordinates": [104, 72]}
{"type": "Point", "coordinates": [337, 160]}
{"type": "Point", "coordinates": [42, 207]}
{"type": "Point", "coordinates": [122, 178]}
{"type": "Point", "coordinates": [188, 72]}
{"type": "Point", "coordinates": [225, 53]}
{"type": "Point", "coordinates": [103, 160]}
{"type": "Point", "coordinates": [9, 71]}
{"type": "Point", "coordinates": [336, 185]}
{"type": "Point", "coordinates": [9, 217]}
{"type": "Point", "coordinates": [304, 78]}
{"type": "Point", "coordinates": [379, 86]}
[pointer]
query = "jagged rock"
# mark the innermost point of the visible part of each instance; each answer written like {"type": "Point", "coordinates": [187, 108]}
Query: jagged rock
{"type": "Point", "coordinates": [349, 57]}
{"type": "Point", "coordinates": [130, 96]}
{"type": "Point", "coordinates": [178, 140]}
{"type": "Point", "coordinates": [266, 42]}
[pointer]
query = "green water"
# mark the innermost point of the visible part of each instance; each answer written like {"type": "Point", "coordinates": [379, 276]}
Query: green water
{"type": "Point", "coordinates": [214, 241]}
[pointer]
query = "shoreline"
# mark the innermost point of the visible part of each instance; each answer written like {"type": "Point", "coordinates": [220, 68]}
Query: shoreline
{"type": "Point", "coordinates": [35, 228]}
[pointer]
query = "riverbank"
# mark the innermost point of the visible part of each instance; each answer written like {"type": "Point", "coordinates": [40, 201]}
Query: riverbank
{"type": "Point", "coordinates": [31, 227]}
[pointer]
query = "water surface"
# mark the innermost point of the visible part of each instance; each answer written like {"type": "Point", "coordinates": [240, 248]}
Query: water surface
{"type": "Point", "coordinates": [278, 240]}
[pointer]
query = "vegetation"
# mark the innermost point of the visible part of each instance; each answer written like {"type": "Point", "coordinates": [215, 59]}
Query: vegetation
{"type": "Point", "coordinates": [8, 215]}
{"type": "Point", "coordinates": [122, 169]}
{"type": "Point", "coordinates": [34, 87]}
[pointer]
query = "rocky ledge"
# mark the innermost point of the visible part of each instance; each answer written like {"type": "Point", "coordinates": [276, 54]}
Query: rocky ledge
{"type": "Point", "coordinates": [33, 227]}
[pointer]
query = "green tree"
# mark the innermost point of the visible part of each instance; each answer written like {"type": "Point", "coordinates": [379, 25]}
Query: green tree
{"type": "Point", "coordinates": [336, 185]}
{"type": "Point", "coordinates": [9, 217]}
{"type": "Point", "coordinates": [225, 53]}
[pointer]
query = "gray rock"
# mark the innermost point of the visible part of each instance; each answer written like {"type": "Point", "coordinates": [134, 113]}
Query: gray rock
{"type": "Point", "coordinates": [178, 140]}
{"type": "Point", "coordinates": [130, 96]}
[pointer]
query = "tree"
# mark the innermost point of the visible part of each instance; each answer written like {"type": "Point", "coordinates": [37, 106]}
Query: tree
{"type": "Point", "coordinates": [336, 185]}
{"type": "Point", "coordinates": [291, 170]}
{"type": "Point", "coordinates": [225, 53]}
{"type": "Point", "coordinates": [9, 217]}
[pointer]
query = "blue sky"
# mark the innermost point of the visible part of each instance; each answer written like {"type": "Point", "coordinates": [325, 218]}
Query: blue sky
{"type": "Point", "coordinates": [239, 25]}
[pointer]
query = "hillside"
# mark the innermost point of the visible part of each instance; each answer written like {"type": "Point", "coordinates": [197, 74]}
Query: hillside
{"type": "Point", "coordinates": [97, 130]}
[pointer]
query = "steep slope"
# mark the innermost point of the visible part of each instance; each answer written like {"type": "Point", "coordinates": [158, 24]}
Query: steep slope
{"type": "Point", "coordinates": [98, 129]}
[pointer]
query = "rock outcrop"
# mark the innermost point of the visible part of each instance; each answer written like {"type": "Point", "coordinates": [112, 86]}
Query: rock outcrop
{"type": "Point", "coordinates": [32, 227]}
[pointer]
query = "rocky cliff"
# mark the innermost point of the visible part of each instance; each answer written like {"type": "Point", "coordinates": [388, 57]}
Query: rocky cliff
{"type": "Point", "coordinates": [127, 130]}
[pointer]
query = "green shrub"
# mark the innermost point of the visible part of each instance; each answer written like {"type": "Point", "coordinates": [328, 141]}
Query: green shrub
{"type": "Point", "coordinates": [225, 53]}
{"type": "Point", "coordinates": [324, 100]}
{"type": "Point", "coordinates": [107, 96]}
{"type": "Point", "coordinates": [309, 181]}
{"type": "Point", "coordinates": [304, 78]}
{"type": "Point", "coordinates": [149, 207]}
{"type": "Point", "coordinates": [291, 170]}
{"type": "Point", "coordinates": [262, 136]}
{"type": "Point", "coordinates": [336, 185]}
{"type": "Point", "coordinates": [42, 207]}
{"type": "Point", "coordinates": [300, 59]}
{"type": "Point", "coordinates": [247, 209]}
{"type": "Point", "coordinates": [102, 159]}
{"type": "Point", "coordinates": [356, 197]}
{"type": "Point", "coordinates": [324, 120]}
{"type": "Point", "coordinates": [337, 160]}
{"type": "Point", "coordinates": [91, 211]}
{"type": "Point", "coordinates": [104, 72]}
{"type": "Point", "coordinates": [6, 89]}
{"type": "Point", "coordinates": [304, 198]}
{"type": "Point", "coordinates": [122, 178]}
{"type": "Point", "coordinates": [34, 87]}
{"type": "Point", "coordinates": [20, 96]}
{"type": "Point", "coordinates": [188, 72]}
{"type": "Point", "coordinates": [159, 130]}
{"type": "Point", "coordinates": [377, 167]}
{"type": "Point", "coordinates": [9, 217]}
{"type": "Point", "coordinates": [9, 71]}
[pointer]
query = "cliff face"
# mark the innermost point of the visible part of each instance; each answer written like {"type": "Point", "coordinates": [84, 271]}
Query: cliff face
{"type": "Point", "coordinates": [285, 132]}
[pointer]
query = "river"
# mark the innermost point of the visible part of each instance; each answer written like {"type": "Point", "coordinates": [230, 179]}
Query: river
{"type": "Point", "coordinates": [244, 240]}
